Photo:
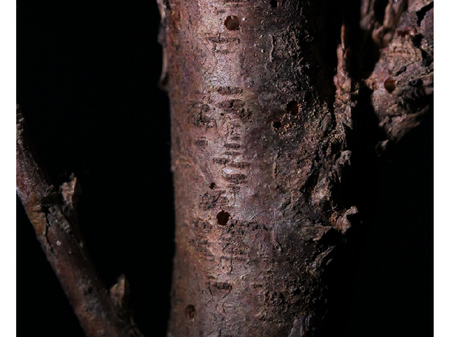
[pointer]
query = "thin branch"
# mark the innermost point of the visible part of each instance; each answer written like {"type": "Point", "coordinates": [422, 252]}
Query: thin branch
{"type": "Point", "coordinates": [54, 218]}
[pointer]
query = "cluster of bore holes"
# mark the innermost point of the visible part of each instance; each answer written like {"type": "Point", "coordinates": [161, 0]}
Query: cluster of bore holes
{"type": "Point", "coordinates": [189, 312]}
{"type": "Point", "coordinates": [222, 218]}
{"type": "Point", "coordinates": [389, 85]}
{"type": "Point", "coordinates": [232, 22]}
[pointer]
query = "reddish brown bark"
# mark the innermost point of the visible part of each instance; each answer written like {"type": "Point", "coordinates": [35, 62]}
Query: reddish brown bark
{"type": "Point", "coordinates": [402, 80]}
{"type": "Point", "coordinates": [265, 96]}
{"type": "Point", "coordinates": [260, 129]}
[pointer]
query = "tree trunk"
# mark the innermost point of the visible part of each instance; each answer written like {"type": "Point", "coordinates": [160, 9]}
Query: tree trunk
{"type": "Point", "coordinates": [264, 105]}
{"type": "Point", "coordinates": [279, 111]}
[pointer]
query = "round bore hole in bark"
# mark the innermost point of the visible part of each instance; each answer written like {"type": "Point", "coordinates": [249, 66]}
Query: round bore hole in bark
{"type": "Point", "coordinates": [274, 4]}
{"type": "Point", "coordinates": [293, 108]}
{"type": "Point", "coordinates": [389, 85]}
{"type": "Point", "coordinates": [189, 312]}
{"type": "Point", "coordinates": [232, 22]}
{"type": "Point", "coordinates": [276, 125]}
{"type": "Point", "coordinates": [212, 186]}
{"type": "Point", "coordinates": [223, 217]}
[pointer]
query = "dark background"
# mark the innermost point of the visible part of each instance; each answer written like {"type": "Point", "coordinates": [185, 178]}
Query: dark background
{"type": "Point", "coordinates": [87, 84]}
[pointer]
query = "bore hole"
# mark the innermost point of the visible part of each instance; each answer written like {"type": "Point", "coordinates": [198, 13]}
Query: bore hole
{"type": "Point", "coordinates": [232, 22]}
{"type": "Point", "coordinates": [274, 3]}
{"type": "Point", "coordinates": [389, 85]}
{"type": "Point", "coordinates": [212, 186]}
{"type": "Point", "coordinates": [293, 108]}
{"type": "Point", "coordinates": [276, 125]}
{"type": "Point", "coordinates": [189, 312]}
{"type": "Point", "coordinates": [223, 217]}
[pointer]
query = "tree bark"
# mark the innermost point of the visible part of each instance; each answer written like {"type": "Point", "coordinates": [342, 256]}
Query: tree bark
{"type": "Point", "coordinates": [265, 107]}
{"type": "Point", "coordinates": [279, 110]}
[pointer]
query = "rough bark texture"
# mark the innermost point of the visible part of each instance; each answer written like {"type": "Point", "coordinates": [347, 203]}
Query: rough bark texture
{"type": "Point", "coordinates": [54, 217]}
{"type": "Point", "coordinates": [401, 82]}
{"type": "Point", "coordinates": [271, 102]}
{"type": "Point", "coordinates": [263, 102]}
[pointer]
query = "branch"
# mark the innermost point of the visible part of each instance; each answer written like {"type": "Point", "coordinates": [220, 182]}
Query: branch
{"type": "Point", "coordinates": [54, 217]}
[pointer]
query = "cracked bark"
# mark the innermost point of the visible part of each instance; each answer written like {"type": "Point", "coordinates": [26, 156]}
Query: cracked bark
{"type": "Point", "coordinates": [268, 113]}
{"type": "Point", "coordinates": [53, 215]}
